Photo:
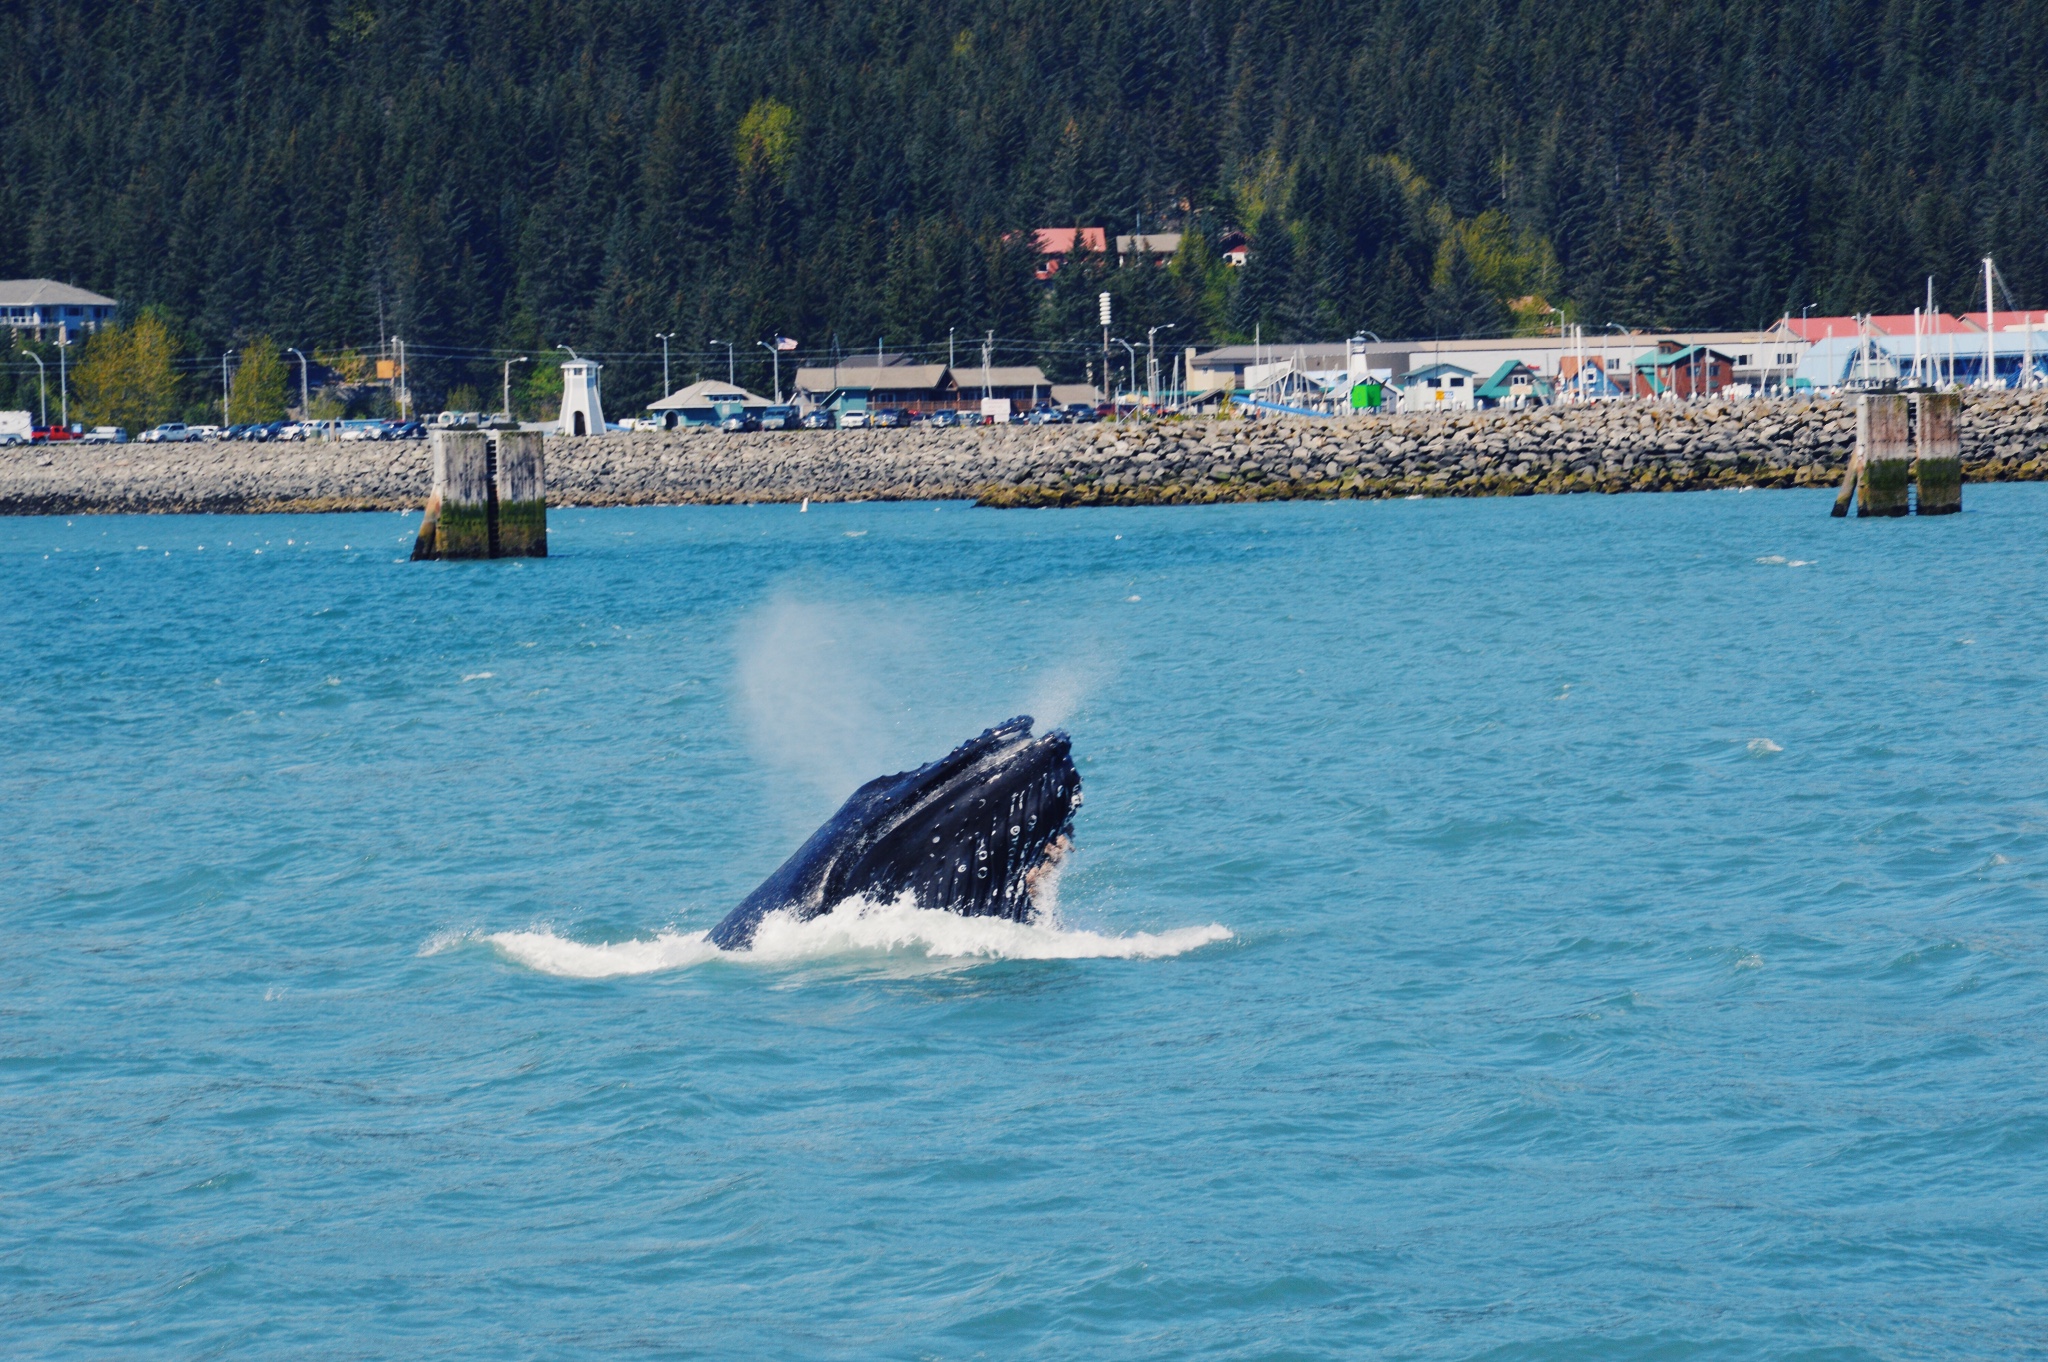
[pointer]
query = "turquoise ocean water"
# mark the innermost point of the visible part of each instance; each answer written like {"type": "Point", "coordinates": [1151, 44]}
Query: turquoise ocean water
{"type": "Point", "coordinates": [1550, 928]}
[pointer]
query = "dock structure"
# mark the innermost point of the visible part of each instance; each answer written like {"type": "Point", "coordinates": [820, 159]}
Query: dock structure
{"type": "Point", "coordinates": [489, 498]}
{"type": "Point", "coordinates": [1938, 450]}
{"type": "Point", "coordinates": [1879, 478]}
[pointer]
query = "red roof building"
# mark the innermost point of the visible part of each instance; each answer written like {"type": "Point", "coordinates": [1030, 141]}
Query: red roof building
{"type": "Point", "coordinates": [1056, 243]}
{"type": "Point", "coordinates": [1885, 324]}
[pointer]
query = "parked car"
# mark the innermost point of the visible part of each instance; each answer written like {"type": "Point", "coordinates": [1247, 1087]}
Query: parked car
{"type": "Point", "coordinates": [1046, 416]}
{"type": "Point", "coordinates": [405, 430]}
{"type": "Point", "coordinates": [820, 419]}
{"type": "Point", "coordinates": [1081, 414]}
{"type": "Point", "coordinates": [203, 432]}
{"type": "Point", "coordinates": [170, 432]}
{"type": "Point", "coordinates": [945, 418]}
{"type": "Point", "coordinates": [105, 435]}
{"type": "Point", "coordinates": [45, 435]}
{"type": "Point", "coordinates": [853, 420]}
{"type": "Point", "coordinates": [740, 421]}
{"type": "Point", "coordinates": [779, 418]}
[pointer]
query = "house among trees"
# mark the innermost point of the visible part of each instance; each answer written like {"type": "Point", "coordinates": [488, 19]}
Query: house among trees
{"type": "Point", "coordinates": [1684, 371]}
{"type": "Point", "coordinates": [41, 305]}
{"type": "Point", "coordinates": [1055, 244]}
{"type": "Point", "coordinates": [1157, 247]}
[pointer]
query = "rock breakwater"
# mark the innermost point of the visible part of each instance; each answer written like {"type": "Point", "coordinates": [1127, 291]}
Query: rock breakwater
{"type": "Point", "coordinates": [1616, 448]}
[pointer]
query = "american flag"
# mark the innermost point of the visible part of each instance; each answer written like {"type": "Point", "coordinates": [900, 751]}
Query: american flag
{"type": "Point", "coordinates": [785, 343]}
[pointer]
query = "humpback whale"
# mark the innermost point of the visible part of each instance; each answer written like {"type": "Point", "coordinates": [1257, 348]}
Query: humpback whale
{"type": "Point", "coordinates": [969, 833]}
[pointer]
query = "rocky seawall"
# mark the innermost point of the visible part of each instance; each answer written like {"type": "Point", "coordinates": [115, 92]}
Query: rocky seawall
{"type": "Point", "coordinates": [1622, 447]}
{"type": "Point", "coordinates": [1614, 447]}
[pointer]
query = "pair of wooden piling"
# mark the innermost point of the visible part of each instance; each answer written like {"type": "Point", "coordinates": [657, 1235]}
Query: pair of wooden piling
{"type": "Point", "coordinates": [1898, 446]}
{"type": "Point", "coordinates": [489, 498]}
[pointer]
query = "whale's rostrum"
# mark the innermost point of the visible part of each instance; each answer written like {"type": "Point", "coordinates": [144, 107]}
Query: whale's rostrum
{"type": "Point", "coordinates": [969, 833]}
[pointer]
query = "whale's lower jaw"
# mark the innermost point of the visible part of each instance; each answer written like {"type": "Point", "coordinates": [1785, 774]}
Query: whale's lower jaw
{"type": "Point", "coordinates": [969, 833]}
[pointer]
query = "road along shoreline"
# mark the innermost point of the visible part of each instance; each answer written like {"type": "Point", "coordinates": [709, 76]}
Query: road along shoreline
{"type": "Point", "coordinates": [1618, 447]}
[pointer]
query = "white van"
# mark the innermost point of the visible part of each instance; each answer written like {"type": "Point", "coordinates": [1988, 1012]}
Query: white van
{"type": "Point", "coordinates": [170, 432]}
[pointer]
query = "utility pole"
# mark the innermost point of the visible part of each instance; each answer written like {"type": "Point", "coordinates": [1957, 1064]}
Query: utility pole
{"type": "Point", "coordinates": [63, 387]}
{"type": "Point", "coordinates": [305, 402]}
{"type": "Point", "coordinates": [224, 419]}
{"type": "Point", "coordinates": [729, 379]}
{"type": "Point", "coordinates": [1133, 352]}
{"type": "Point", "coordinates": [775, 357]}
{"type": "Point", "coordinates": [987, 344]}
{"type": "Point", "coordinates": [664, 338]}
{"type": "Point", "coordinates": [508, 387]}
{"type": "Point", "coordinates": [404, 392]}
{"type": "Point", "coordinates": [949, 348]}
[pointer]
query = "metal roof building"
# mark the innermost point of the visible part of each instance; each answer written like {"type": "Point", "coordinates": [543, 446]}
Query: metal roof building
{"type": "Point", "coordinates": [39, 304]}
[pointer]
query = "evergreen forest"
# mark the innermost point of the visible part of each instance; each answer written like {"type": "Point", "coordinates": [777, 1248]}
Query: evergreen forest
{"type": "Point", "coordinates": [489, 180]}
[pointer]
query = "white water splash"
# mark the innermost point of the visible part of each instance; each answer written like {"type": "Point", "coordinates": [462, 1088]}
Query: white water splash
{"type": "Point", "coordinates": [855, 928]}
{"type": "Point", "coordinates": [1763, 747]}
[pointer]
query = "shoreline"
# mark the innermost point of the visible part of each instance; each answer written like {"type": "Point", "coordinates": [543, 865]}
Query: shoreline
{"type": "Point", "coordinates": [1612, 449]}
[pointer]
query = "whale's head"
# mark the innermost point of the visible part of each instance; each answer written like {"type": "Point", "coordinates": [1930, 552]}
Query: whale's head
{"type": "Point", "coordinates": [970, 833]}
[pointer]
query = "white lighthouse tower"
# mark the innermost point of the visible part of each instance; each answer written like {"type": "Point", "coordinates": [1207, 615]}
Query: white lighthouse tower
{"type": "Point", "coordinates": [582, 408]}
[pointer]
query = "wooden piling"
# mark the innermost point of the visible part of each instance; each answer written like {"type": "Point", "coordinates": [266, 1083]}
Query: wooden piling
{"type": "Point", "coordinates": [1939, 467]}
{"type": "Point", "coordinates": [1849, 478]}
{"type": "Point", "coordinates": [522, 523]}
{"type": "Point", "coordinates": [423, 543]}
{"type": "Point", "coordinates": [1885, 454]}
{"type": "Point", "coordinates": [462, 484]}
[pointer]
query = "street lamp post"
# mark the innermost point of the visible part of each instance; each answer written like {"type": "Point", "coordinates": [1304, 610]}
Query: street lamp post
{"type": "Point", "coordinates": [729, 379]}
{"type": "Point", "coordinates": [664, 337]}
{"type": "Point", "coordinates": [305, 402]}
{"type": "Point", "coordinates": [226, 419]}
{"type": "Point", "coordinates": [1613, 326]}
{"type": "Point", "coordinates": [775, 357]}
{"type": "Point", "coordinates": [1152, 364]}
{"type": "Point", "coordinates": [63, 387]}
{"type": "Point", "coordinates": [508, 386]}
{"type": "Point", "coordinates": [42, 384]}
{"type": "Point", "coordinates": [1132, 350]}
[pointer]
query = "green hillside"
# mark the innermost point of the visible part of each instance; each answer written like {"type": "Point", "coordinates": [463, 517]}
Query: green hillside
{"type": "Point", "coordinates": [473, 176]}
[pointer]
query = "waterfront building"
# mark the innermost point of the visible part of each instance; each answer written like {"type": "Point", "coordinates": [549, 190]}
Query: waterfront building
{"type": "Point", "coordinates": [706, 404]}
{"type": "Point", "coordinates": [1437, 387]}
